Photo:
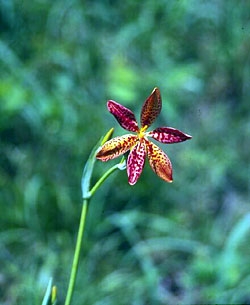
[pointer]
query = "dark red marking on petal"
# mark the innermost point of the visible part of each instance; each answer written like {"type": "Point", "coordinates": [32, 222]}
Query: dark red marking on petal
{"type": "Point", "coordinates": [124, 116]}
{"type": "Point", "coordinates": [116, 147]}
{"type": "Point", "coordinates": [151, 108]}
{"type": "Point", "coordinates": [135, 163]}
{"type": "Point", "coordinates": [168, 135]}
{"type": "Point", "coordinates": [159, 162]}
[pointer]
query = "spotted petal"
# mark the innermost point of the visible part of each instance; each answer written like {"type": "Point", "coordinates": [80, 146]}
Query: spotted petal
{"type": "Point", "coordinates": [124, 116]}
{"type": "Point", "coordinates": [116, 147]}
{"type": "Point", "coordinates": [135, 163]}
{"type": "Point", "coordinates": [168, 135]}
{"type": "Point", "coordinates": [151, 108]}
{"type": "Point", "coordinates": [159, 162]}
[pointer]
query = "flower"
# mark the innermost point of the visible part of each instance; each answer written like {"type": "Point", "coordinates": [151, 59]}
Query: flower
{"type": "Point", "coordinates": [138, 143]}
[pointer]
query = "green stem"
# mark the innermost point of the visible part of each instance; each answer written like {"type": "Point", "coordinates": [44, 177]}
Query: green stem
{"type": "Point", "coordinates": [77, 253]}
{"type": "Point", "coordinates": [87, 195]}
{"type": "Point", "coordinates": [120, 166]}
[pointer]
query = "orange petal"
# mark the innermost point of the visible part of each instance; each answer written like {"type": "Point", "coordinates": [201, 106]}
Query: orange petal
{"type": "Point", "coordinates": [159, 162]}
{"type": "Point", "coordinates": [116, 147]}
{"type": "Point", "coordinates": [151, 108]}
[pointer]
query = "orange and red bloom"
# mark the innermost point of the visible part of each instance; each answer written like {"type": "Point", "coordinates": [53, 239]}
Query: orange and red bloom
{"type": "Point", "coordinates": [138, 143]}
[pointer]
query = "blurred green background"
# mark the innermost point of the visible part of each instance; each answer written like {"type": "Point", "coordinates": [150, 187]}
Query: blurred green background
{"type": "Point", "coordinates": [153, 243]}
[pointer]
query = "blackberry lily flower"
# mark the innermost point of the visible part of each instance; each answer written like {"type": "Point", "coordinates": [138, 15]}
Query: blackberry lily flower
{"type": "Point", "coordinates": [138, 143]}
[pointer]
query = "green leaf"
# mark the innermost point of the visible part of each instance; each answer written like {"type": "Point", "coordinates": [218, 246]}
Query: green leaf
{"type": "Point", "coordinates": [47, 296]}
{"type": "Point", "coordinates": [88, 168]}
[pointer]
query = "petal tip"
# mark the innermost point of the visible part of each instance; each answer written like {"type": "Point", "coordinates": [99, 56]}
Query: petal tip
{"type": "Point", "coordinates": [110, 103]}
{"type": "Point", "coordinates": [170, 178]}
{"type": "Point", "coordinates": [132, 182]}
{"type": "Point", "coordinates": [99, 155]}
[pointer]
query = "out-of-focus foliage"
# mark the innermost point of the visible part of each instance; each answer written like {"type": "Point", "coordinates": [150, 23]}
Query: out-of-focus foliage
{"type": "Point", "coordinates": [154, 243]}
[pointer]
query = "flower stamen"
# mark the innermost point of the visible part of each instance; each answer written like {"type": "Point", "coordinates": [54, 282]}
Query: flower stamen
{"type": "Point", "coordinates": [141, 132]}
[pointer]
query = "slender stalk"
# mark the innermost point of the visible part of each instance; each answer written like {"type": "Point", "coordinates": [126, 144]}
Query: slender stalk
{"type": "Point", "coordinates": [77, 252]}
{"type": "Point", "coordinates": [119, 166]}
{"type": "Point", "coordinates": [86, 197]}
